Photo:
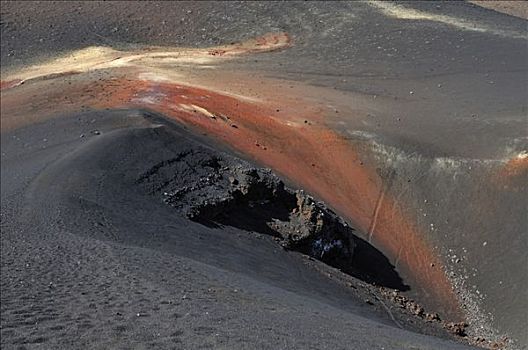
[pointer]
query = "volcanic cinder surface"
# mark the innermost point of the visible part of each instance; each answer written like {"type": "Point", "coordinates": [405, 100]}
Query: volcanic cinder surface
{"type": "Point", "coordinates": [263, 175]}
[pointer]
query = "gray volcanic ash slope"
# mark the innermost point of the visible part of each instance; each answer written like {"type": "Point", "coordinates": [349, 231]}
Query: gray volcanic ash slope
{"type": "Point", "coordinates": [437, 90]}
{"type": "Point", "coordinates": [92, 256]}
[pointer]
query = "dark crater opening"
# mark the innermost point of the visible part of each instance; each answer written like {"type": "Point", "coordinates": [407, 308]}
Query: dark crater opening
{"type": "Point", "coordinates": [224, 191]}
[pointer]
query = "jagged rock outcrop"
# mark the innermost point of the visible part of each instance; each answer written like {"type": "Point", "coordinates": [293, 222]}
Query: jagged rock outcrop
{"type": "Point", "coordinates": [225, 191]}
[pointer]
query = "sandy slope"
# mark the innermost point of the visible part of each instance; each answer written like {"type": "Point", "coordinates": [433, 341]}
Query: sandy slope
{"type": "Point", "coordinates": [425, 101]}
{"type": "Point", "coordinates": [89, 260]}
